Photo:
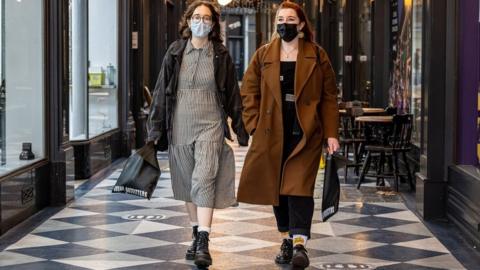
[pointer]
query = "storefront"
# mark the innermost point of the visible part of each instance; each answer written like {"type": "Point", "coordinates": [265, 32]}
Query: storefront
{"type": "Point", "coordinates": [96, 92]}
{"type": "Point", "coordinates": [22, 90]}
{"type": "Point", "coordinates": [23, 151]}
{"type": "Point", "coordinates": [463, 203]}
{"type": "Point", "coordinates": [376, 49]}
{"type": "Point", "coordinates": [59, 115]}
{"type": "Point", "coordinates": [422, 57]}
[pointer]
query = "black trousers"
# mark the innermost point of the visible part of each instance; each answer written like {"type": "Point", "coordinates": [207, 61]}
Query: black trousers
{"type": "Point", "coordinates": [294, 215]}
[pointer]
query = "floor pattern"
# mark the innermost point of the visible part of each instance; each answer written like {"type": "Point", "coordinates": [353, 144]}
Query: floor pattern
{"type": "Point", "coordinates": [101, 230]}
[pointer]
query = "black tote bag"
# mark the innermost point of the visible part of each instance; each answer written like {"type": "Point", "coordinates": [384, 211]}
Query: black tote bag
{"type": "Point", "coordinates": [331, 186]}
{"type": "Point", "coordinates": [140, 173]}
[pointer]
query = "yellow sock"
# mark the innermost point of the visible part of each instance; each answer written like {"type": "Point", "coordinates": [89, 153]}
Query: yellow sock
{"type": "Point", "coordinates": [285, 235]}
{"type": "Point", "coordinates": [300, 240]}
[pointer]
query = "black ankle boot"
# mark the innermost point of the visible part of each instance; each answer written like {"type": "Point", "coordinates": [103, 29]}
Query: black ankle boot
{"type": "Point", "coordinates": [192, 250]}
{"type": "Point", "coordinates": [286, 252]}
{"type": "Point", "coordinates": [202, 257]}
{"type": "Point", "coordinates": [300, 257]}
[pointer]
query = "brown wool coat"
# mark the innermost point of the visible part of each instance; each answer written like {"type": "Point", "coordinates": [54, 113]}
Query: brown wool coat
{"type": "Point", "coordinates": [316, 103]}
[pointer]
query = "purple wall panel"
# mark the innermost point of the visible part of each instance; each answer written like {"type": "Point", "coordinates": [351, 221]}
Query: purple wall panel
{"type": "Point", "coordinates": [469, 73]}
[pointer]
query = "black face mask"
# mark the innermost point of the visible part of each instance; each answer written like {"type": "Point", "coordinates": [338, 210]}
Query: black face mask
{"type": "Point", "coordinates": [287, 31]}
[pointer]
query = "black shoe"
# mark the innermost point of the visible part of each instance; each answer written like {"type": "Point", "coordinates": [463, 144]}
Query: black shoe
{"type": "Point", "coordinates": [192, 250]}
{"type": "Point", "coordinates": [202, 257]}
{"type": "Point", "coordinates": [286, 252]}
{"type": "Point", "coordinates": [300, 257]}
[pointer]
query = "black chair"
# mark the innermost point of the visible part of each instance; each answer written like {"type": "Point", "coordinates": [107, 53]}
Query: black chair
{"type": "Point", "coordinates": [391, 110]}
{"type": "Point", "coordinates": [397, 143]}
{"type": "Point", "coordinates": [351, 137]}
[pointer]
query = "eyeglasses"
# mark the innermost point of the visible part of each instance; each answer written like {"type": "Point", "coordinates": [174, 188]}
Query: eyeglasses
{"type": "Point", "coordinates": [197, 18]}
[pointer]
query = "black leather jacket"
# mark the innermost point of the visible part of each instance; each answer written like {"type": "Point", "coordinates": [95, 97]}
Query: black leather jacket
{"type": "Point", "coordinates": [159, 125]}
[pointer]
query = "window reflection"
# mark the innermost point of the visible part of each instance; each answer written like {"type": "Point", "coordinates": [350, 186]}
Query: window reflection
{"type": "Point", "coordinates": [416, 87]}
{"type": "Point", "coordinates": [21, 84]}
{"type": "Point", "coordinates": [93, 68]}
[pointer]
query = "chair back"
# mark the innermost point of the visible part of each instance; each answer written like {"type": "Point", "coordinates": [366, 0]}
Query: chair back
{"type": "Point", "coordinates": [350, 128]}
{"type": "Point", "coordinates": [402, 131]}
{"type": "Point", "coordinates": [391, 110]}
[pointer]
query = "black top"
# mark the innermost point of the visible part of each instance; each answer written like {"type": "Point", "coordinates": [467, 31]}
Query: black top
{"type": "Point", "coordinates": [292, 132]}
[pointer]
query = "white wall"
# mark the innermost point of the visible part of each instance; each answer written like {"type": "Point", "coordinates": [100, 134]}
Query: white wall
{"type": "Point", "coordinates": [24, 72]}
{"type": "Point", "coordinates": [102, 21]}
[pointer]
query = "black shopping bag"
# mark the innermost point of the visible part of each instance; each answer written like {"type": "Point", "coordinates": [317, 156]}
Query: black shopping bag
{"type": "Point", "coordinates": [140, 173]}
{"type": "Point", "coordinates": [331, 186]}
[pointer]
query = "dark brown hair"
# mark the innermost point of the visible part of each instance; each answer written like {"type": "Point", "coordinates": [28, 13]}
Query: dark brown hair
{"type": "Point", "coordinates": [215, 34]}
{"type": "Point", "coordinates": [307, 29]}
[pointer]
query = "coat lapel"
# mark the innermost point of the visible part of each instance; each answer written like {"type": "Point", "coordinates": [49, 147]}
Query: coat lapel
{"type": "Point", "coordinates": [271, 70]}
{"type": "Point", "coordinates": [306, 62]}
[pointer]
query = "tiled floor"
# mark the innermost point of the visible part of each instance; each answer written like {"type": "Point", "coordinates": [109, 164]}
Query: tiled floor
{"type": "Point", "coordinates": [101, 230]}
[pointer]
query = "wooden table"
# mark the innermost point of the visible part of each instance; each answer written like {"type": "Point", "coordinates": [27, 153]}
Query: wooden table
{"type": "Point", "coordinates": [366, 111]}
{"type": "Point", "coordinates": [373, 110]}
{"type": "Point", "coordinates": [375, 119]}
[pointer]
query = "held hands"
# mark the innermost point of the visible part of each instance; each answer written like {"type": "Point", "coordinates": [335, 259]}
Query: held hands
{"type": "Point", "coordinates": [333, 145]}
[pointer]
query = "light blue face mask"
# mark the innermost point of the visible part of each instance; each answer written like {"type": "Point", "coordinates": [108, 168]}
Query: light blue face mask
{"type": "Point", "coordinates": [200, 29]}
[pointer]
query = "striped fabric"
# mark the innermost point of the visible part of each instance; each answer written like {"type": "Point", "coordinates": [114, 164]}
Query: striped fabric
{"type": "Point", "coordinates": [202, 165]}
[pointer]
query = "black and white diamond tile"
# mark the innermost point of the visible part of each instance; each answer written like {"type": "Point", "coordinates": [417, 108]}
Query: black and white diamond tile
{"type": "Point", "coordinates": [111, 260]}
{"type": "Point", "coordinates": [59, 251]}
{"type": "Point", "coordinates": [373, 229]}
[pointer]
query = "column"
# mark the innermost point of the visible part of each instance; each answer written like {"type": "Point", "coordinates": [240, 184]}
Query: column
{"type": "Point", "coordinates": [79, 65]}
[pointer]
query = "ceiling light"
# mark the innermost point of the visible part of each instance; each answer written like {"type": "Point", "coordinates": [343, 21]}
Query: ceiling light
{"type": "Point", "coordinates": [224, 2]}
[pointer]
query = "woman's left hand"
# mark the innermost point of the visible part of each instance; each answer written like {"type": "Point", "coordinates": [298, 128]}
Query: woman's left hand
{"type": "Point", "coordinates": [333, 145]}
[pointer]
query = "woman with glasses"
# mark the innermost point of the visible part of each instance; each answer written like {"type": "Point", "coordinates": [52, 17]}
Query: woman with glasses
{"type": "Point", "coordinates": [290, 107]}
{"type": "Point", "coordinates": [195, 92]}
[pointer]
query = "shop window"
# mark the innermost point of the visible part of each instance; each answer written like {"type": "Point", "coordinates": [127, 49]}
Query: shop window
{"type": "Point", "coordinates": [93, 68]}
{"type": "Point", "coordinates": [22, 99]}
{"type": "Point", "coordinates": [406, 85]}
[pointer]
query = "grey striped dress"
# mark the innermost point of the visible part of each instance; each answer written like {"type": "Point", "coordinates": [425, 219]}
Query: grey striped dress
{"type": "Point", "coordinates": [202, 165]}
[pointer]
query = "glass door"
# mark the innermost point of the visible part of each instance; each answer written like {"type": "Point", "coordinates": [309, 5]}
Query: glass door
{"type": "Point", "coordinates": [354, 49]}
{"type": "Point", "coordinates": [363, 50]}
